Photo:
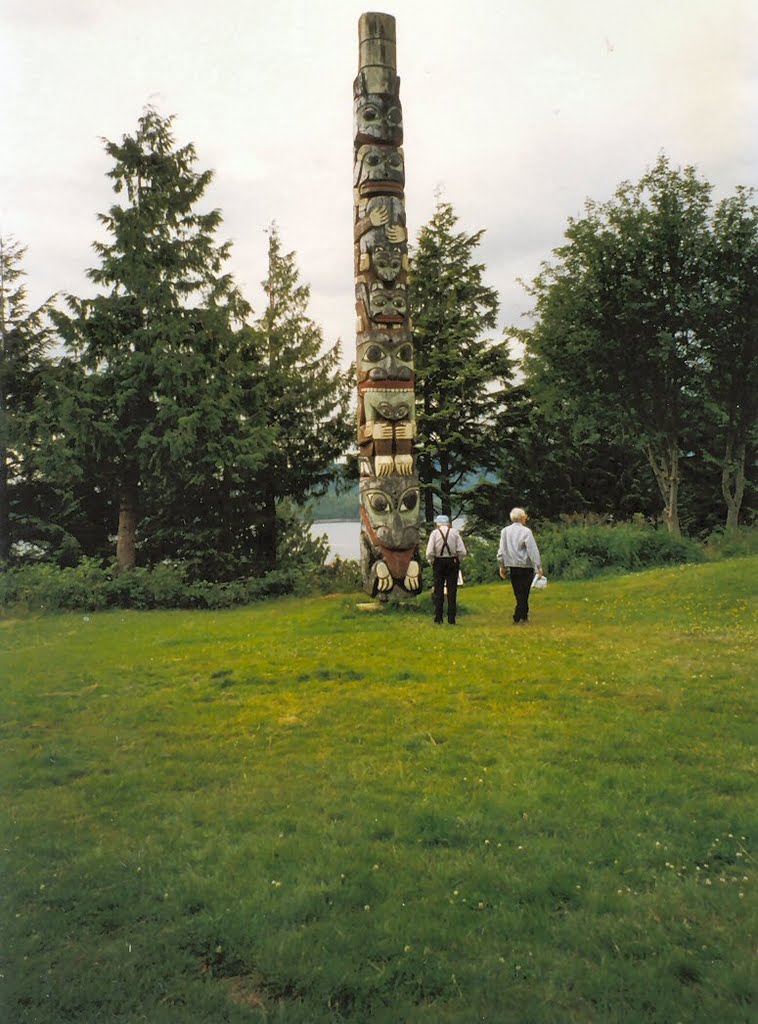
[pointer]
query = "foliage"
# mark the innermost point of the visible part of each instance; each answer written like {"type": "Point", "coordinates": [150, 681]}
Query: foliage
{"type": "Point", "coordinates": [24, 367]}
{"type": "Point", "coordinates": [158, 406]}
{"type": "Point", "coordinates": [551, 473]}
{"type": "Point", "coordinates": [523, 826]}
{"type": "Point", "coordinates": [579, 551]}
{"type": "Point", "coordinates": [307, 398]}
{"type": "Point", "coordinates": [731, 342]}
{"type": "Point", "coordinates": [91, 586]}
{"type": "Point", "coordinates": [462, 380]}
{"type": "Point", "coordinates": [732, 543]}
{"type": "Point", "coordinates": [620, 318]}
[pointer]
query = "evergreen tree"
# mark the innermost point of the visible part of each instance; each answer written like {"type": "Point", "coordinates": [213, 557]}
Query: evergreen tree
{"type": "Point", "coordinates": [616, 347]}
{"type": "Point", "coordinates": [461, 379]}
{"type": "Point", "coordinates": [307, 398]}
{"type": "Point", "coordinates": [161, 411]}
{"type": "Point", "coordinates": [24, 340]}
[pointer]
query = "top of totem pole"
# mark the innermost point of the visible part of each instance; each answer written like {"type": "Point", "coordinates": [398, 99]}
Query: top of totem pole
{"type": "Point", "coordinates": [377, 52]}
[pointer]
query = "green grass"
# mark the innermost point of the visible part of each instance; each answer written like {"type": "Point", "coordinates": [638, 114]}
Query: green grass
{"type": "Point", "coordinates": [302, 813]}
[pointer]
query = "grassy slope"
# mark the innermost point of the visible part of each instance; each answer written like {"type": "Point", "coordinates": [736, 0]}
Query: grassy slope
{"type": "Point", "coordinates": [301, 812]}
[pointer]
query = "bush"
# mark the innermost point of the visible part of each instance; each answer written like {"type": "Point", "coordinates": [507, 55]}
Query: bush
{"type": "Point", "coordinates": [578, 552]}
{"type": "Point", "coordinates": [91, 586]}
{"type": "Point", "coordinates": [736, 543]}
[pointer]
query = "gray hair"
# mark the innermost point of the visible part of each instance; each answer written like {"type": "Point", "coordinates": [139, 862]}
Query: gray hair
{"type": "Point", "coordinates": [517, 514]}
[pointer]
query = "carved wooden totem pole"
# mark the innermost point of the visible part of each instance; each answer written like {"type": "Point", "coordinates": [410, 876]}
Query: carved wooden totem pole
{"type": "Point", "coordinates": [389, 487]}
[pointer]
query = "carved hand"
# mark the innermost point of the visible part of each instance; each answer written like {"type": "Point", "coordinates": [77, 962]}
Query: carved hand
{"type": "Point", "coordinates": [383, 431]}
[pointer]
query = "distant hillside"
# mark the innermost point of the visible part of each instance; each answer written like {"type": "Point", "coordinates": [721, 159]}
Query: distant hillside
{"type": "Point", "coordinates": [336, 506]}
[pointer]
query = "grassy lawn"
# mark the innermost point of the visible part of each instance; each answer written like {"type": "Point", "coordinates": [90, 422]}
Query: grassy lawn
{"type": "Point", "coordinates": [306, 813]}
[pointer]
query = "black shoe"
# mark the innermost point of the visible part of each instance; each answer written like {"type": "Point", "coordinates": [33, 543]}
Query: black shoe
{"type": "Point", "coordinates": [438, 622]}
{"type": "Point", "coordinates": [451, 622]}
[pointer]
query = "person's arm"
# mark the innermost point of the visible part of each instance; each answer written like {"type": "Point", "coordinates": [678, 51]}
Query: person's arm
{"type": "Point", "coordinates": [430, 548]}
{"type": "Point", "coordinates": [534, 553]}
{"type": "Point", "coordinates": [501, 557]}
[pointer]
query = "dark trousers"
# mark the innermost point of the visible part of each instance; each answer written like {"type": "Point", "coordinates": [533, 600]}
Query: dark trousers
{"type": "Point", "coordinates": [521, 581]}
{"type": "Point", "coordinates": [445, 570]}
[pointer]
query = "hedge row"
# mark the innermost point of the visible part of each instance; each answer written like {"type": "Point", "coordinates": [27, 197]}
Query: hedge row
{"type": "Point", "coordinates": [569, 552]}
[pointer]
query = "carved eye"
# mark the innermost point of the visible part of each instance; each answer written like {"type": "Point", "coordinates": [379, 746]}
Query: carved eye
{"type": "Point", "coordinates": [395, 160]}
{"type": "Point", "coordinates": [370, 113]}
{"type": "Point", "coordinates": [373, 354]}
{"type": "Point", "coordinates": [409, 501]}
{"type": "Point", "coordinates": [394, 116]}
{"type": "Point", "coordinates": [406, 354]}
{"type": "Point", "coordinates": [373, 159]}
{"type": "Point", "coordinates": [379, 502]}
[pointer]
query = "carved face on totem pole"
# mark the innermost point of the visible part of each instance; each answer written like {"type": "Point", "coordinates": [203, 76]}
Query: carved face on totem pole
{"type": "Point", "coordinates": [392, 506]}
{"type": "Point", "coordinates": [387, 305]}
{"type": "Point", "coordinates": [379, 170]}
{"type": "Point", "coordinates": [378, 119]}
{"type": "Point", "coordinates": [389, 510]}
{"type": "Point", "coordinates": [385, 355]}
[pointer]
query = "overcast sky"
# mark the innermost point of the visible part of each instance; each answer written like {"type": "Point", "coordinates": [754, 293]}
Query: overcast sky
{"type": "Point", "coordinates": [518, 110]}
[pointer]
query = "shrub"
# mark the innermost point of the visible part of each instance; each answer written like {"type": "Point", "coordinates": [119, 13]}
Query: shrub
{"type": "Point", "coordinates": [735, 543]}
{"type": "Point", "coordinates": [576, 551]}
{"type": "Point", "coordinates": [91, 586]}
{"type": "Point", "coordinates": [480, 564]}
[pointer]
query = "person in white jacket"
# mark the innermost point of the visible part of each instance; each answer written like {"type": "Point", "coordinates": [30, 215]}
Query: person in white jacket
{"type": "Point", "coordinates": [519, 557]}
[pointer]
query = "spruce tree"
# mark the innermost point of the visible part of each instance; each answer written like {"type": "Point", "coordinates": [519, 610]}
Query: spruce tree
{"type": "Point", "coordinates": [157, 410]}
{"type": "Point", "coordinates": [24, 340]}
{"type": "Point", "coordinates": [307, 397]}
{"type": "Point", "coordinates": [461, 378]}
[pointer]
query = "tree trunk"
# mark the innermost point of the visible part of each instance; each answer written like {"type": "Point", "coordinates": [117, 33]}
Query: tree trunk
{"type": "Point", "coordinates": [733, 480]}
{"type": "Point", "coordinates": [665, 468]}
{"type": "Point", "coordinates": [126, 541]}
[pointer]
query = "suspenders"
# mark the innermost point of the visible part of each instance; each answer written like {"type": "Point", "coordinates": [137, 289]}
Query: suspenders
{"type": "Point", "coordinates": [445, 545]}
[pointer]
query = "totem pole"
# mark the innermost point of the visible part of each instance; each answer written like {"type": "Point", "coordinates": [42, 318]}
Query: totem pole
{"type": "Point", "coordinates": [389, 487]}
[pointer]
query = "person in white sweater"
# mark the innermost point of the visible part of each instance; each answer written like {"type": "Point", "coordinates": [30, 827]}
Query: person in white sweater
{"type": "Point", "coordinates": [519, 557]}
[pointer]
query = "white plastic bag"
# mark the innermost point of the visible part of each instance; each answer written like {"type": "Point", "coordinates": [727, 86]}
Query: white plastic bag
{"type": "Point", "coordinates": [539, 582]}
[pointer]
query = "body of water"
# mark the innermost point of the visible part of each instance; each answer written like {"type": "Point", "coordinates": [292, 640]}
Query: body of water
{"type": "Point", "coordinates": [344, 538]}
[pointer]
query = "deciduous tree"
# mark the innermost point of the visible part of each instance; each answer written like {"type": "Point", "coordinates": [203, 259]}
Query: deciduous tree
{"type": "Point", "coordinates": [731, 341]}
{"type": "Point", "coordinates": [619, 319]}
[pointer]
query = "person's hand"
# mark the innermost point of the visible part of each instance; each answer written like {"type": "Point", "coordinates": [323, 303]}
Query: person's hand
{"type": "Point", "coordinates": [540, 573]}
{"type": "Point", "coordinates": [503, 573]}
